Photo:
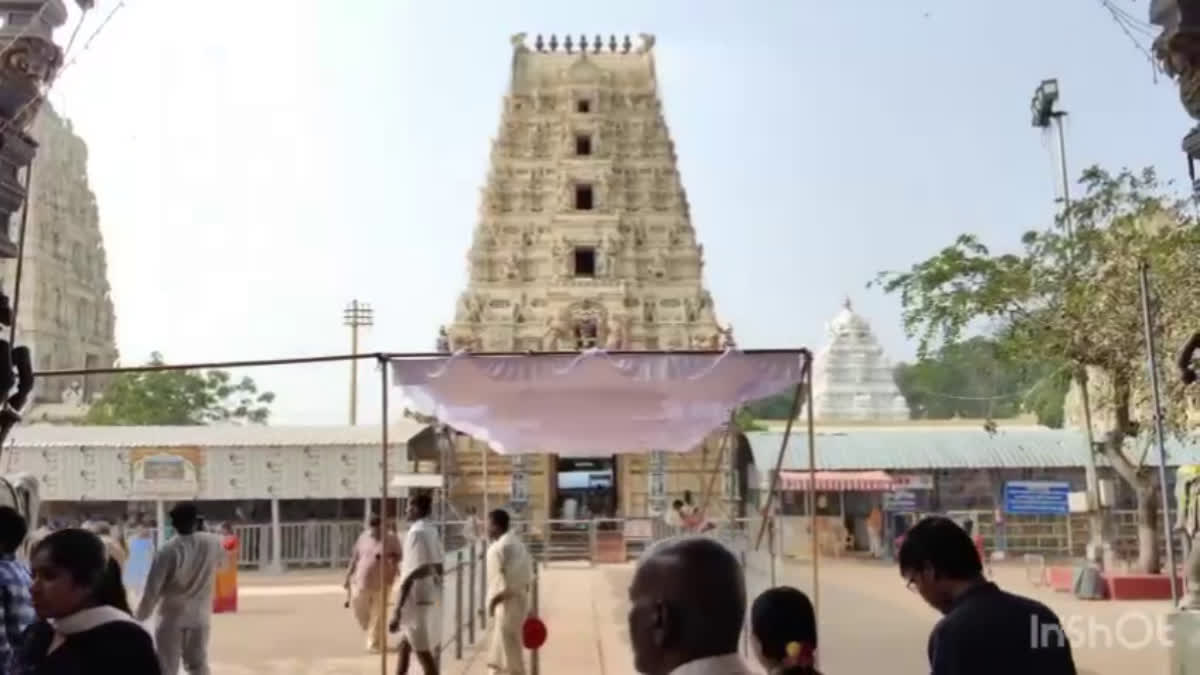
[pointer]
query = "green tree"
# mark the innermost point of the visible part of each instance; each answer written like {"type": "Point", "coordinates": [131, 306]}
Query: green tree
{"type": "Point", "coordinates": [180, 397]}
{"type": "Point", "coordinates": [978, 379]}
{"type": "Point", "coordinates": [1073, 299]}
{"type": "Point", "coordinates": [775, 407]}
{"type": "Point", "coordinates": [746, 421]}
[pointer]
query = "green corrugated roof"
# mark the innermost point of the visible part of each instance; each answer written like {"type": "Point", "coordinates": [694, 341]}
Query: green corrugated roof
{"type": "Point", "coordinates": [940, 448]}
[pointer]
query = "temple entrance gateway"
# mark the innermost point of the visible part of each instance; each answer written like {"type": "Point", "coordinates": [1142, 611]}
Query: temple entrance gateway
{"type": "Point", "coordinates": [586, 488]}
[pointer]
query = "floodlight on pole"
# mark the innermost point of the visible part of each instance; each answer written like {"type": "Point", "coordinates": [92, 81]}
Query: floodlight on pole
{"type": "Point", "coordinates": [1042, 107]}
{"type": "Point", "coordinates": [356, 315]}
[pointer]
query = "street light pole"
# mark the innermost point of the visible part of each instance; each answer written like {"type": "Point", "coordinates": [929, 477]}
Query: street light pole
{"type": "Point", "coordinates": [1044, 112]}
{"type": "Point", "coordinates": [358, 315]}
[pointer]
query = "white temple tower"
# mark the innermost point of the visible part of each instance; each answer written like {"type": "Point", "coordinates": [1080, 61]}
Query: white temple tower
{"type": "Point", "coordinates": [852, 378]}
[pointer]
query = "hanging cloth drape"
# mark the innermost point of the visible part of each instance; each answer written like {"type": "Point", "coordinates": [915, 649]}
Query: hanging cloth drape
{"type": "Point", "coordinates": [592, 403]}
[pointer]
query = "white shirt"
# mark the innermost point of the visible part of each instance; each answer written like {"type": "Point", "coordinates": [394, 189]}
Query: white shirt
{"type": "Point", "coordinates": [728, 664]}
{"type": "Point", "coordinates": [510, 567]}
{"type": "Point", "coordinates": [182, 575]}
{"type": "Point", "coordinates": [422, 546]}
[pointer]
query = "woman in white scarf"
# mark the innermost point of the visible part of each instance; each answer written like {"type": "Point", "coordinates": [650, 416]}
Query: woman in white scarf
{"type": "Point", "coordinates": [84, 624]}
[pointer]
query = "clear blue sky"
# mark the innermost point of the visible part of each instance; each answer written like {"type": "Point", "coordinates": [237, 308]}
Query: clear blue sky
{"type": "Point", "coordinates": [259, 164]}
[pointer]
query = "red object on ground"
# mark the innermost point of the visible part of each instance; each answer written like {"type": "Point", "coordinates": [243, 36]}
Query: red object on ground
{"type": "Point", "coordinates": [1061, 578]}
{"type": "Point", "coordinates": [1140, 586]}
{"type": "Point", "coordinates": [533, 633]}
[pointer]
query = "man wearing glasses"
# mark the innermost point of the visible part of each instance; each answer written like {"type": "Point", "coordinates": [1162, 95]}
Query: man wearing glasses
{"type": "Point", "coordinates": [983, 630]}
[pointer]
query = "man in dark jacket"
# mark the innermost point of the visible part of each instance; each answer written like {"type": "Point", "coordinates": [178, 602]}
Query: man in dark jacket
{"type": "Point", "coordinates": [984, 630]}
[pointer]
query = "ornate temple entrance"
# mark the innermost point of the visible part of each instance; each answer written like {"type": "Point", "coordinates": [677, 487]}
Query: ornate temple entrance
{"type": "Point", "coordinates": [585, 488]}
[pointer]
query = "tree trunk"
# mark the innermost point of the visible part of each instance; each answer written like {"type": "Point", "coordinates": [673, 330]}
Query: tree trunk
{"type": "Point", "coordinates": [1147, 527]}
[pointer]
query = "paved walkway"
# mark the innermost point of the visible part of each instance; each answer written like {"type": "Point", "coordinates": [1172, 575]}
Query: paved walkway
{"type": "Point", "coordinates": [869, 622]}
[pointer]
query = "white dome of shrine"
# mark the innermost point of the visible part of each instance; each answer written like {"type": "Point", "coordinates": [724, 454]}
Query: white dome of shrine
{"type": "Point", "coordinates": [852, 378]}
{"type": "Point", "coordinates": [847, 322]}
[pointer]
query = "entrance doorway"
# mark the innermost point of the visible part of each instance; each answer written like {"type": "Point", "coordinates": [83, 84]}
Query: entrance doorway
{"type": "Point", "coordinates": [586, 488]}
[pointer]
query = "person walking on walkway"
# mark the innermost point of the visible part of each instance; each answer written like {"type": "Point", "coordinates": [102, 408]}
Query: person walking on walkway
{"type": "Point", "coordinates": [83, 626]}
{"type": "Point", "coordinates": [875, 532]}
{"type": "Point", "coordinates": [688, 603]}
{"type": "Point", "coordinates": [180, 584]}
{"type": "Point", "coordinates": [420, 582]}
{"type": "Point", "coordinates": [983, 630]}
{"type": "Point", "coordinates": [375, 555]}
{"type": "Point", "coordinates": [16, 605]}
{"type": "Point", "coordinates": [510, 577]}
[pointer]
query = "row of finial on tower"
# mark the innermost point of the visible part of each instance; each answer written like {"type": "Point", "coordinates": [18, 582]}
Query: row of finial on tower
{"type": "Point", "coordinates": [583, 45]}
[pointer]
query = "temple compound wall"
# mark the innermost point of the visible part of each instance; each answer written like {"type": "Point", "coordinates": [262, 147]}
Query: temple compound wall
{"type": "Point", "coordinates": [583, 240]}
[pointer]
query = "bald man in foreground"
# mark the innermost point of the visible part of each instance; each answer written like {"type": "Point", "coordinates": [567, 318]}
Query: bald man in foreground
{"type": "Point", "coordinates": [688, 604]}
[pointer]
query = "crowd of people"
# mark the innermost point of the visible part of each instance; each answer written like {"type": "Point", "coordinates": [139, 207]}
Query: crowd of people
{"type": "Point", "coordinates": [984, 630]}
{"type": "Point", "coordinates": [68, 611]}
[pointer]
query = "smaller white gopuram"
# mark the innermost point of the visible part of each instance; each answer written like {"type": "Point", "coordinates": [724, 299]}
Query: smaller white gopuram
{"type": "Point", "coordinates": [852, 378]}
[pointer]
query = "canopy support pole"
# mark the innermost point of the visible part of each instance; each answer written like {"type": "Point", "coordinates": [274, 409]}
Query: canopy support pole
{"type": "Point", "coordinates": [812, 499]}
{"type": "Point", "coordinates": [805, 381]}
{"type": "Point", "coordinates": [384, 522]}
{"type": "Point", "coordinates": [706, 496]}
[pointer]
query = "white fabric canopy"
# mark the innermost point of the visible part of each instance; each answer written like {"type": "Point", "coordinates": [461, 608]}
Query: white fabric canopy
{"type": "Point", "coordinates": [593, 403]}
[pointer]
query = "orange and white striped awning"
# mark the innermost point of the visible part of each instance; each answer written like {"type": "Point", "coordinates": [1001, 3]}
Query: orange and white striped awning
{"type": "Point", "coordinates": [838, 481]}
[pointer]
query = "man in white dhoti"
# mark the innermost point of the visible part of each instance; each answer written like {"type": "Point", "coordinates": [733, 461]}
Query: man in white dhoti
{"type": "Point", "coordinates": [420, 585]}
{"type": "Point", "coordinates": [688, 605]}
{"type": "Point", "coordinates": [510, 577]}
{"type": "Point", "coordinates": [182, 577]}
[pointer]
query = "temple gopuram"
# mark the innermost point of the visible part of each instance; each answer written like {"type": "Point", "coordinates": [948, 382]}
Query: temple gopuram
{"type": "Point", "coordinates": [852, 377]}
{"type": "Point", "coordinates": [584, 240]}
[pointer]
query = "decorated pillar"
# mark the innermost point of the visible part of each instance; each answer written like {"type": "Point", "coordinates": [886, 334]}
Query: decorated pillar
{"type": "Point", "coordinates": [1178, 51]}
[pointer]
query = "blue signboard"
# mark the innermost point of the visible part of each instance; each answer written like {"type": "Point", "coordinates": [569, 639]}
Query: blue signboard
{"type": "Point", "coordinates": [1037, 497]}
{"type": "Point", "coordinates": [900, 501]}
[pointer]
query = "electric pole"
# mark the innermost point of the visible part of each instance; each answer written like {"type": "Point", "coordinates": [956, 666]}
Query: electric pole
{"type": "Point", "coordinates": [356, 315]}
{"type": "Point", "coordinates": [1042, 107]}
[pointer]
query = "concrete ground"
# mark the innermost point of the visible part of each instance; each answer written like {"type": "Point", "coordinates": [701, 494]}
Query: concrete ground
{"type": "Point", "coordinates": [868, 620]}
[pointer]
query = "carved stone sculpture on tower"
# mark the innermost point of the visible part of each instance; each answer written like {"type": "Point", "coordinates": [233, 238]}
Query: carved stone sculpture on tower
{"type": "Point", "coordinates": [616, 338]}
{"type": "Point", "coordinates": [556, 333]}
{"type": "Point", "coordinates": [512, 267]}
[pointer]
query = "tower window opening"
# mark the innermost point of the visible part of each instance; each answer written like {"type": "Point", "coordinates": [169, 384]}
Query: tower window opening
{"type": "Point", "coordinates": [583, 106]}
{"type": "Point", "coordinates": [584, 200]}
{"type": "Point", "coordinates": [585, 262]}
{"type": "Point", "coordinates": [583, 145]}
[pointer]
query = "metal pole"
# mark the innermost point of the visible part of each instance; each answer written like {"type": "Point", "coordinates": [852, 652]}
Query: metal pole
{"type": "Point", "coordinates": [354, 374]}
{"type": "Point", "coordinates": [812, 495]}
{"type": "Point", "coordinates": [1160, 436]}
{"type": "Point", "coordinates": [384, 522]}
{"type": "Point", "coordinates": [16, 298]}
{"type": "Point", "coordinates": [805, 375]}
{"type": "Point", "coordinates": [1095, 547]}
{"type": "Point", "coordinates": [1066, 181]}
{"type": "Point", "coordinates": [487, 508]}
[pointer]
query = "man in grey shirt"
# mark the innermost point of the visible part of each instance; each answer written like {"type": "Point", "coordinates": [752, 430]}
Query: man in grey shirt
{"type": "Point", "coordinates": [180, 584]}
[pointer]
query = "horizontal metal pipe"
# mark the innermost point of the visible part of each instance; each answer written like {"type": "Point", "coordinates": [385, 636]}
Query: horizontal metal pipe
{"type": "Point", "coordinates": [258, 363]}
